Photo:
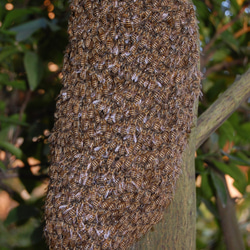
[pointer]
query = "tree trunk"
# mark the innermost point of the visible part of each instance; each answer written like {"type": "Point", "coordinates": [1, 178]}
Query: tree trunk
{"type": "Point", "coordinates": [177, 230]}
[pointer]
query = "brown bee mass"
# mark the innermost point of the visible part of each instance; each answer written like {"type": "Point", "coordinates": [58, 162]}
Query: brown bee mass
{"type": "Point", "coordinates": [130, 80]}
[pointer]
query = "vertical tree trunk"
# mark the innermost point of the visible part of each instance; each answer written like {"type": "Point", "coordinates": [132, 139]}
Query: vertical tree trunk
{"type": "Point", "coordinates": [177, 230]}
{"type": "Point", "coordinates": [118, 141]}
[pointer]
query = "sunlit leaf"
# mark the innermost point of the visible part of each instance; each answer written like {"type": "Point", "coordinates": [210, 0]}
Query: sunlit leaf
{"type": "Point", "coordinates": [34, 69]}
{"type": "Point", "coordinates": [232, 170]}
{"type": "Point", "coordinates": [210, 206]}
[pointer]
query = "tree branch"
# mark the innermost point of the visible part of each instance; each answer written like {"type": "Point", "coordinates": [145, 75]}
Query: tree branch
{"type": "Point", "coordinates": [222, 108]}
{"type": "Point", "coordinates": [223, 65]}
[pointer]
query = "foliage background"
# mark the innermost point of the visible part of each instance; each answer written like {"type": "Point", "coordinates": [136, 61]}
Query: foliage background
{"type": "Point", "coordinates": [33, 36]}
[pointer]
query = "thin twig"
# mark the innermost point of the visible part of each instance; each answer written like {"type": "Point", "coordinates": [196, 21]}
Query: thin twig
{"type": "Point", "coordinates": [223, 65]}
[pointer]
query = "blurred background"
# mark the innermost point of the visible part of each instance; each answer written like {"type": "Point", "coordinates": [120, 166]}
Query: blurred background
{"type": "Point", "coordinates": [33, 37]}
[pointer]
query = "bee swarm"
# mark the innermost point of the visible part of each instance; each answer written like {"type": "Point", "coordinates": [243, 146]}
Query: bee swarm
{"type": "Point", "coordinates": [123, 116]}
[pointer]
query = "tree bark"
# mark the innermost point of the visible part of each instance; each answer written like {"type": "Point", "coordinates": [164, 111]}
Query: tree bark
{"type": "Point", "coordinates": [222, 108]}
{"type": "Point", "coordinates": [177, 230]}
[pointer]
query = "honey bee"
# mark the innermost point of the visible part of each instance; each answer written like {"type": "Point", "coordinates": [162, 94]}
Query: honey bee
{"type": "Point", "coordinates": [118, 164]}
{"type": "Point", "coordinates": [102, 34]}
{"type": "Point", "coordinates": [88, 5]}
{"type": "Point", "coordinates": [94, 164]}
{"type": "Point", "coordinates": [91, 113]}
{"type": "Point", "coordinates": [157, 126]}
{"type": "Point", "coordinates": [127, 23]}
{"type": "Point", "coordinates": [107, 244]}
{"type": "Point", "coordinates": [85, 125]}
{"type": "Point", "coordinates": [91, 133]}
{"type": "Point", "coordinates": [96, 12]}
{"type": "Point", "coordinates": [118, 99]}
{"type": "Point", "coordinates": [109, 42]}
{"type": "Point", "coordinates": [120, 46]}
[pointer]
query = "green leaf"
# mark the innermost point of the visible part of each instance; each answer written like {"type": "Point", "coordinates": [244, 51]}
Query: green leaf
{"type": "Point", "coordinates": [12, 121]}
{"type": "Point", "coordinates": [235, 5]}
{"type": "Point", "coordinates": [4, 133]}
{"type": "Point", "coordinates": [202, 9]}
{"type": "Point", "coordinates": [2, 166]}
{"type": "Point", "coordinates": [18, 84]}
{"type": "Point", "coordinates": [227, 133]}
{"type": "Point", "coordinates": [20, 213]}
{"type": "Point", "coordinates": [53, 26]}
{"type": "Point", "coordinates": [7, 52]}
{"type": "Point", "coordinates": [206, 187]}
{"type": "Point", "coordinates": [199, 167]}
{"type": "Point", "coordinates": [220, 188]}
{"type": "Point", "coordinates": [4, 78]}
{"type": "Point", "coordinates": [239, 177]}
{"type": "Point", "coordinates": [220, 55]}
{"type": "Point", "coordinates": [15, 16]}
{"type": "Point", "coordinates": [12, 149]}
{"type": "Point", "coordinates": [245, 128]}
{"type": "Point", "coordinates": [239, 158]}
{"type": "Point", "coordinates": [34, 69]}
{"type": "Point", "coordinates": [244, 159]}
{"type": "Point", "coordinates": [2, 106]}
{"type": "Point", "coordinates": [198, 197]}
{"type": "Point", "coordinates": [25, 30]}
{"type": "Point", "coordinates": [228, 38]}
{"type": "Point", "coordinates": [21, 237]}
{"type": "Point", "coordinates": [210, 206]}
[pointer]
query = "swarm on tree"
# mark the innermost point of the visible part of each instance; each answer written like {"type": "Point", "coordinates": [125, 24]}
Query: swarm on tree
{"type": "Point", "coordinates": [130, 79]}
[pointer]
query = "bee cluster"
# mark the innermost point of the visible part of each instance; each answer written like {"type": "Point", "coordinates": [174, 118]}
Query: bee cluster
{"type": "Point", "coordinates": [130, 79]}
